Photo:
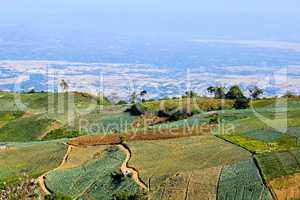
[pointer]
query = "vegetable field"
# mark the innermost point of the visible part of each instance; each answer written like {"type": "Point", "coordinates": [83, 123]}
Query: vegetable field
{"type": "Point", "coordinates": [241, 180]}
{"type": "Point", "coordinates": [93, 178]}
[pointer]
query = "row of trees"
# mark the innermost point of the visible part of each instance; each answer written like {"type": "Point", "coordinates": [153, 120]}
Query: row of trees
{"type": "Point", "coordinates": [234, 92]}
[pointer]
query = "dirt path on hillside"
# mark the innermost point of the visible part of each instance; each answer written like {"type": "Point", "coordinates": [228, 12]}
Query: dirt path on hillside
{"type": "Point", "coordinates": [125, 168]}
{"type": "Point", "coordinates": [41, 179]}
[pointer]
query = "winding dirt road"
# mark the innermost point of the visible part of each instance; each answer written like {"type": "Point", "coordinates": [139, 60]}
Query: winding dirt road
{"type": "Point", "coordinates": [41, 179]}
{"type": "Point", "coordinates": [126, 169]}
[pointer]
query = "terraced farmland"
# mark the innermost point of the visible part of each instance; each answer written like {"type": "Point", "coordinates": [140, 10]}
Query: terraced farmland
{"type": "Point", "coordinates": [205, 156]}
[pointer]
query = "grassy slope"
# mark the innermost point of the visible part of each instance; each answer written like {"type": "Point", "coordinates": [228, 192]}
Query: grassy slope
{"type": "Point", "coordinates": [40, 111]}
{"type": "Point", "coordinates": [33, 159]}
{"type": "Point", "coordinates": [24, 129]}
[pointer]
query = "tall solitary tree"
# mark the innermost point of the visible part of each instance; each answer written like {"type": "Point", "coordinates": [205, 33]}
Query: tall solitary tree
{"type": "Point", "coordinates": [255, 92]}
{"type": "Point", "coordinates": [64, 85]}
{"type": "Point", "coordinates": [133, 97]}
{"type": "Point", "coordinates": [143, 94]}
{"type": "Point", "coordinates": [218, 91]}
{"type": "Point", "coordinates": [289, 94]}
{"type": "Point", "coordinates": [235, 92]}
{"type": "Point", "coordinates": [191, 94]}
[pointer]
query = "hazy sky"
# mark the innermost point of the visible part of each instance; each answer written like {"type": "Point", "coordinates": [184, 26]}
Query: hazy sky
{"type": "Point", "coordinates": [241, 19]}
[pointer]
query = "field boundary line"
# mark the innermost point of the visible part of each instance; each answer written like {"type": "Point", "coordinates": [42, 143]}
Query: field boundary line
{"type": "Point", "coordinates": [219, 181]}
{"type": "Point", "coordinates": [274, 196]}
{"type": "Point", "coordinates": [187, 187]}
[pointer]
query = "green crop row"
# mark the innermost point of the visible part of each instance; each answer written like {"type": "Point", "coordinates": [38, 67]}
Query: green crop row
{"type": "Point", "coordinates": [279, 164]}
{"type": "Point", "coordinates": [242, 181]}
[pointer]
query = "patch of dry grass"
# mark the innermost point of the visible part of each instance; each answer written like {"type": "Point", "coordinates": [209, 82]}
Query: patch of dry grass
{"type": "Point", "coordinates": [90, 140]}
{"type": "Point", "coordinates": [286, 187]}
{"type": "Point", "coordinates": [81, 155]}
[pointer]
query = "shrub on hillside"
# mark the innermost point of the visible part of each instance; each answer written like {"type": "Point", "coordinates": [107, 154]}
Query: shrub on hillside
{"type": "Point", "coordinates": [179, 115]}
{"type": "Point", "coordinates": [214, 108]}
{"type": "Point", "coordinates": [135, 110]}
{"type": "Point", "coordinates": [122, 102]}
{"type": "Point", "coordinates": [175, 115]}
{"type": "Point", "coordinates": [214, 119]}
{"type": "Point", "coordinates": [117, 177]}
{"type": "Point", "coordinates": [241, 103]}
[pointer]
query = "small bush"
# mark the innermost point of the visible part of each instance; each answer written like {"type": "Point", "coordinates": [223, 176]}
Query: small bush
{"type": "Point", "coordinates": [122, 102]}
{"type": "Point", "coordinates": [135, 110]}
{"type": "Point", "coordinates": [162, 113]}
{"type": "Point", "coordinates": [117, 177]}
{"type": "Point", "coordinates": [174, 115]}
{"type": "Point", "coordinates": [241, 103]}
{"type": "Point", "coordinates": [214, 108]}
{"type": "Point", "coordinates": [179, 115]}
{"type": "Point", "coordinates": [214, 119]}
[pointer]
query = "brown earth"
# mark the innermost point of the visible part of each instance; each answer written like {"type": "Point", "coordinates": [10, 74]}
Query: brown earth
{"type": "Point", "coordinates": [147, 119]}
{"type": "Point", "coordinates": [90, 140]}
{"type": "Point", "coordinates": [158, 134]}
{"type": "Point", "coordinates": [148, 134]}
{"type": "Point", "coordinates": [287, 187]}
{"type": "Point", "coordinates": [126, 169]}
